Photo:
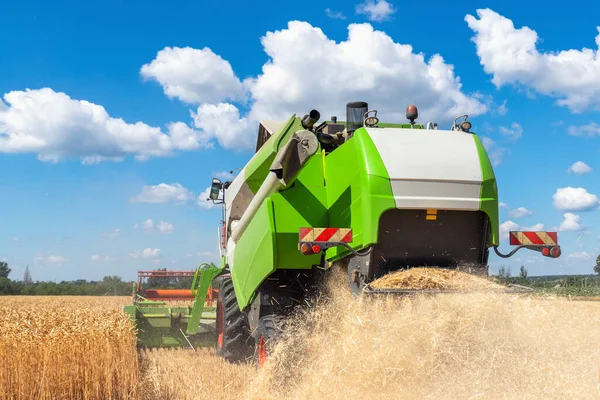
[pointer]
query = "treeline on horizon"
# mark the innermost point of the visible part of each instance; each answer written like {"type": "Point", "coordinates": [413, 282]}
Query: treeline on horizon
{"type": "Point", "coordinates": [109, 286]}
{"type": "Point", "coordinates": [578, 285]}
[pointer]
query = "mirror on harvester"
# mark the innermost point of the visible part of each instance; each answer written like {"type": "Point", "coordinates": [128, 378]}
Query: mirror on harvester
{"type": "Point", "coordinates": [215, 189]}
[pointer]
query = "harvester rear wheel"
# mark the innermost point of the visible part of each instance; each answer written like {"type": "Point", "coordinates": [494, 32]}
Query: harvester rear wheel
{"type": "Point", "coordinates": [268, 331]}
{"type": "Point", "coordinates": [234, 342]}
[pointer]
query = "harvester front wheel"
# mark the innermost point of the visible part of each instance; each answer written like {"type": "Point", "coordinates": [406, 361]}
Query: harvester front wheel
{"type": "Point", "coordinates": [234, 342]}
{"type": "Point", "coordinates": [268, 331]}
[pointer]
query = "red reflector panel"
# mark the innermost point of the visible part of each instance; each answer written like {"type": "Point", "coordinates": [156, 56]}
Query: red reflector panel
{"type": "Point", "coordinates": [325, 235]}
{"type": "Point", "coordinates": [533, 238]}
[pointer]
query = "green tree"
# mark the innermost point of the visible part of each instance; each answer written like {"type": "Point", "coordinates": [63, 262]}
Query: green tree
{"type": "Point", "coordinates": [597, 266]}
{"type": "Point", "coordinates": [4, 270]}
{"type": "Point", "coordinates": [503, 273]}
{"type": "Point", "coordinates": [112, 282]}
{"type": "Point", "coordinates": [523, 273]}
{"type": "Point", "coordinates": [27, 276]}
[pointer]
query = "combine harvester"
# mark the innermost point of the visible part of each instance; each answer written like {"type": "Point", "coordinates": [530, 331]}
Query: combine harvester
{"type": "Point", "coordinates": [371, 197]}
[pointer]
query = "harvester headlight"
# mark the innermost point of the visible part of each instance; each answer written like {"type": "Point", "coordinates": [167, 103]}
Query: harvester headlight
{"type": "Point", "coordinates": [465, 126]}
{"type": "Point", "coordinates": [371, 121]}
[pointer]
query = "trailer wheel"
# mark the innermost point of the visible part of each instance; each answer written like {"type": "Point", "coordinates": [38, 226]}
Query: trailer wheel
{"type": "Point", "coordinates": [268, 331]}
{"type": "Point", "coordinates": [234, 342]}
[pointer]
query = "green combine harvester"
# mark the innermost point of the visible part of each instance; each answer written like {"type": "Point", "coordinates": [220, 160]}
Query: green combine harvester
{"type": "Point", "coordinates": [370, 197]}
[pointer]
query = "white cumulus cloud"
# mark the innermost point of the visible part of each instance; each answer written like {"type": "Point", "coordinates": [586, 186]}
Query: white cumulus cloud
{"type": "Point", "coordinates": [537, 227]}
{"type": "Point", "coordinates": [194, 75]}
{"type": "Point", "coordinates": [97, 258]}
{"type": "Point", "coordinates": [146, 253]}
{"type": "Point", "coordinates": [590, 130]}
{"type": "Point", "coordinates": [507, 226]}
{"type": "Point", "coordinates": [519, 212]}
{"type": "Point", "coordinates": [513, 133]}
{"type": "Point", "coordinates": [334, 14]}
{"type": "Point", "coordinates": [162, 227]}
{"type": "Point", "coordinates": [376, 10]}
{"type": "Point", "coordinates": [575, 199]}
{"type": "Point", "coordinates": [50, 259]}
{"type": "Point", "coordinates": [511, 55]}
{"type": "Point", "coordinates": [163, 193]}
{"type": "Point", "coordinates": [223, 175]}
{"type": "Point", "coordinates": [495, 152]}
{"type": "Point", "coordinates": [56, 127]}
{"type": "Point", "coordinates": [112, 234]}
{"type": "Point", "coordinates": [223, 123]}
{"type": "Point", "coordinates": [580, 168]}
{"type": "Point", "coordinates": [367, 66]}
{"type": "Point", "coordinates": [571, 222]}
{"type": "Point", "coordinates": [176, 193]}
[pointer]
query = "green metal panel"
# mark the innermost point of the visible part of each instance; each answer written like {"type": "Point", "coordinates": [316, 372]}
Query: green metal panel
{"type": "Point", "coordinates": [254, 254]}
{"type": "Point", "coordinates": [302, 205]}
{"type": "Point", "coordinates": [257, 168]}
{"type": "Point", "coordinates": [207, 273]}
{"type": "Point", "coordinates": [489, 191]}
{"type": "Point", "coordinates": [358, 190]}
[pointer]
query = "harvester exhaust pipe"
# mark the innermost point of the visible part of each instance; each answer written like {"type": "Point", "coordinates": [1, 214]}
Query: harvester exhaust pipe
{"type": "Point", "coordinates": [310, 119]}
{"type": "Point", "coordinates": [355, 112]}
{"type": "Point", "coordinates": [288, 162]}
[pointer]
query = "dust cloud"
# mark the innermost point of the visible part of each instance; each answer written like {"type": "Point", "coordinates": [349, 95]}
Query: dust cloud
{"type": "Point", "coordinates": [450, 346]}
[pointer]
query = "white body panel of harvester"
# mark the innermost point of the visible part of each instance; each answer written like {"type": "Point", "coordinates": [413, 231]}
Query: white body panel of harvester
{"type": "Point", "coordinates": [430, 168]}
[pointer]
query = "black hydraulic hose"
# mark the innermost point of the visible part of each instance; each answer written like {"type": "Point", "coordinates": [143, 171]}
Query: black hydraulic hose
{"type": "Point", "coordinates": [509, 254]}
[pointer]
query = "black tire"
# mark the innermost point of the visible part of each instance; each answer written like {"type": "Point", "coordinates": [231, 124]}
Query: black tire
{"type": "Point", "coordinates": [234, 342]}
{"type": "Point", "coordinates": [267, 334]}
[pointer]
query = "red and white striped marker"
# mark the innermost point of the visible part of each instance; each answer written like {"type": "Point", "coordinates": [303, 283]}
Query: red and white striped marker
{"type": "Point", "coordinates": [326, 235]}
{"type": "Point", "coordinates": [532, 238]}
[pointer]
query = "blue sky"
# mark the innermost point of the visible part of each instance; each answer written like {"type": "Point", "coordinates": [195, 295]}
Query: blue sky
{"type": "Point", "coordinates": [114, 114]}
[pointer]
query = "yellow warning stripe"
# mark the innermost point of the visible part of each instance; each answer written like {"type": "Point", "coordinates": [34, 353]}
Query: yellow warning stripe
{"type": "Point", "coordinates": [522, 238]}
{"type": "Point", "coordinates": [546, 238]}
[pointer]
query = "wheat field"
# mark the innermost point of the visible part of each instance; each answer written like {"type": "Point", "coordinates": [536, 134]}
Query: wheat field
{"type": "Point", "coordinates": [67, 347]}
{"type": "Point", "coordinates": [454, 346]}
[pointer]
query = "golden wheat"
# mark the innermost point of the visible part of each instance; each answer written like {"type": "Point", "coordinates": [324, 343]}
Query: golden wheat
{"type": "Point", "coordinates": [66, 348]}
{"type": "Point", "coordinates": [184, 374]}
{"type": "Point", "coordinates": [451, 346]}
{"type": "Point", "coordinates": [434, 278]}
